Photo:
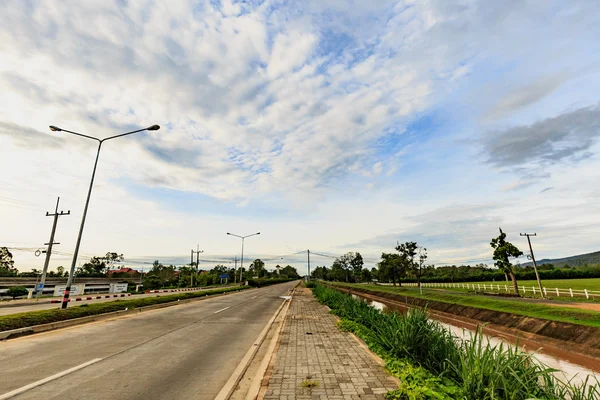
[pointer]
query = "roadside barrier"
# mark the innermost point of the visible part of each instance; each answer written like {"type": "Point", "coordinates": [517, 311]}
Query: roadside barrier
{"type": "Point", "coordinates": [92, 298]}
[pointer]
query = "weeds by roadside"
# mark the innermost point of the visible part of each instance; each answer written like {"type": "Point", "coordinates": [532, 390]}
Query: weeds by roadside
{"type": "Point", "coordinates": [434, 364]}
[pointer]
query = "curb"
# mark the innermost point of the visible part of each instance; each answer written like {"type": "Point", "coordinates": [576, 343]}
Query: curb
{"type": "Point", "coordinates": [231, 384]}
{"type": "Point", "coordinates": [30, 330]}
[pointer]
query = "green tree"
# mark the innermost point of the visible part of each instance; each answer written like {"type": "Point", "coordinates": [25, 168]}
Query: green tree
{"type": "Point", "coordinates": [320, 273]}
{"type": "Point", "coordinates": [407, 252]}
{"type": "Point", "coordinates": [290, 272]}
{"type": "Point", "coordinates": [257, 268]}
{"type": "Point", "coordinates": [344, 264]}
{"type": "Point", "coordinates": [420, 263]}
{"type": "Point", "coordinates": [392, 267]}
{"type": "Point", "coordinates": [93, 268]}
{"type": "Point", "coordinates": [60, 271]}
{"type": "Point", "coordinates": [7, 265]}
{"type": "Point", "coordinates": [16, 291]}
{"type": "Point", "coordinates": [111, 258]}
{"type": "Point", "coordinates": [357, 266]}
{"type": "Point", "coordinates": [365, 275]}
{"type": "Point", "coordinates": [503, 250]}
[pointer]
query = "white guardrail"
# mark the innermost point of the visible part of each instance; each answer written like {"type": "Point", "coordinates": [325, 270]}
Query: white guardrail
{"type": "Point", "coordinates": [508, 289]}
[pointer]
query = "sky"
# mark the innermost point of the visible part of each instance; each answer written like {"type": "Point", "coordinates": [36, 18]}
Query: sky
{"type": "Point", "coordinates": [329, 125]}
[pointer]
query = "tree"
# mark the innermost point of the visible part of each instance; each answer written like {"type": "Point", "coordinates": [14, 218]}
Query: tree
{"type": "Point", "coordinates": [320, 273]}
{"type": "Point", "coordinates": [111, 258]}
{"type": "Point", "coordinates": [93, 268]}
{"type": "Point", "coordinates": [365, 275]}
{"type": "Point", "coordinates": [502, 251]}
{"type": "Point", "coordinates": [7, 265]}
{"type": "Point", "coordinates": [60, 271]}
{"type": "Point", "coordinates": [419, 265]}
{"type": "Point", "coordinates": [407, 252]}
{"type": "Point", "coordinates": [290, 272]}
{"type": "Point", "coordinates": [344, 264]}
{"type": "Point", "coordinates": [16, 291]}
{"type": "Point", "coordinates": [392, 267]}
{"type": "Point", "coordinates": [357, 266]}
{"type": "Point", "coordinates": [256, 268]}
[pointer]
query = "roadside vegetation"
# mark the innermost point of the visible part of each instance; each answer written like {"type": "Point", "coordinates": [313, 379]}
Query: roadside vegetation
{"type": "Point", "coordinates": [22, 320]}
{"type": "Point", "coordinates": [575, 284]}
{"type": "Point", "coordinates": [529, 309]}
{"type": "Point", "coordinates": [432, 363]}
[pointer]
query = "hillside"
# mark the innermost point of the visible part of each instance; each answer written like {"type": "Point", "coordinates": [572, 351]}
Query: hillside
{"type": "Point", "coordinates": [572, 261]}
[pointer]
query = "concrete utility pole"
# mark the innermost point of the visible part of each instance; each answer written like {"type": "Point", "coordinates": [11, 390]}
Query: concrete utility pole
{"type": "Point", "coordinates": [198, 251]}
{"type": "Point", "coordinates": [40, 287]}
{"type": "Point", "coordinates": [534, 263]}
{"type": "Point", "coordinates": [308, 276]}
{"type": "Point", "coordinates": [234, 269]}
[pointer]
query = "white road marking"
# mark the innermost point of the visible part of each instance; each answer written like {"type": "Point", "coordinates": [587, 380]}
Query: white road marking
{"type": "Point", "coordinates": [46, 380]}
{"type": "Point", "coordinates": [253, 297]}
{"type": "Point", "coordinates": [216, 312]}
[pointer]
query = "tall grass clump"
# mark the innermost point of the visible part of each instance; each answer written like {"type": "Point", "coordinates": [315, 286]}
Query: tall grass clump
{"type": "Point", "coordinates": [479, 369]}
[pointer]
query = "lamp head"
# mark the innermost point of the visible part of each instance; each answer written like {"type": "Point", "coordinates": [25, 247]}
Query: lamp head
{"type": "Point", "coordinates": [153, 128]}
{"type": "Point", "coordinates": [55, 128]}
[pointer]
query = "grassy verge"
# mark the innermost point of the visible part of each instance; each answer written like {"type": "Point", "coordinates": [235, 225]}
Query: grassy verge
{"type": "Point", "coordinates": [434, 364]}
{"type": "Point", "coordinates": [529, 309]}
{"type": "Point", "coordinates": [26, 319]}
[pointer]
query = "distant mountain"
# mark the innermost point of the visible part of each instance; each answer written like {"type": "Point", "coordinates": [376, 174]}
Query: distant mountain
{"type": "Point", "coordinates": [573, 261]}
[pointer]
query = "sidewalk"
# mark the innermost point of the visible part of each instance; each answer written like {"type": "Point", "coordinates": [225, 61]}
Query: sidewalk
{"type": "Point", "coordinates": [312, 347]}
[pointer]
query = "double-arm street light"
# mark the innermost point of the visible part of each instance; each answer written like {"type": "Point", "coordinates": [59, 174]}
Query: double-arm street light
{"type": "Point", "coordinates": [65, 300]}
{"type": "Point", "coordinates": [242, 260]}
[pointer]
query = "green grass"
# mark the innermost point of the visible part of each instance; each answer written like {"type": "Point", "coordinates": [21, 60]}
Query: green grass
{"type": "Point", "coordinates": [529, 309]}
{"type": "Point", "coordinates": [22, 320]}
{"type": "Point", "coordinates": [575, 284]}
{"type": "Point", "coordinates": [432, 363]}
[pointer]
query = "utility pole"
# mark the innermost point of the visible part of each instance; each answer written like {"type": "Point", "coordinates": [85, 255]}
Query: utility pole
{"type": "Point", "coordinates": [198, 251]}
{"type": "Point", "coordinates": [534, 263]}
{"type": "Point", "coordinates": [308, 276]}
{"type": "Point", "coordinates": [40, 287]}
{"type": "Point", "coordinates": [234, 269]}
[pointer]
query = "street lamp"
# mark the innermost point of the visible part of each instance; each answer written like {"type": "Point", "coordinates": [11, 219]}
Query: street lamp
{"type": "Point", "coordinates": [53, 128]}
{"type": "Point", "coordinates": [242, 260]}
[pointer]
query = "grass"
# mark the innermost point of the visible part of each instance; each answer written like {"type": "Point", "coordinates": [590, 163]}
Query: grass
{"type": "Point", "coordinates": [26, 319]}
{"type": "Point", "coordinates": [526, 308]}
{"type": "Point", "coordinates": [563, 284]}
{"type": "Point", "coordinates": [308, 383]}
{"type": "Point", "coordinates": [432, 363]}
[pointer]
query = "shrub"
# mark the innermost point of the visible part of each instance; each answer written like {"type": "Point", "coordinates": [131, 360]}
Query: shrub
{"type": "Point", "coordinates": [16, 291]}
{"type": "Point", "coordinates": [479, 369]}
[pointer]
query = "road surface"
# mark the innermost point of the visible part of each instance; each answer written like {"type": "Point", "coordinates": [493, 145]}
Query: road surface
{"type": "Point", "coordinates": [181, 352]}
{"type": "Point", "coordinates": [44, 304]}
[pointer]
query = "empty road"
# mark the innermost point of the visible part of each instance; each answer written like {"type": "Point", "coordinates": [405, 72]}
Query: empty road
{"type": "Point", "coordinates": [181, 352]}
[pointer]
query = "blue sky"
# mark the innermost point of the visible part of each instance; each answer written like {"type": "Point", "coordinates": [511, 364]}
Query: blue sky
{"type": "Point", "coordinates": [334, 125]}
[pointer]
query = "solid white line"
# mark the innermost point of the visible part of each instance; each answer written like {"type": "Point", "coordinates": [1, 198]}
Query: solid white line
{"type": "Point", "coordinates": [216, 312]}
{"type": "Point", "coordinates": [46, 380]}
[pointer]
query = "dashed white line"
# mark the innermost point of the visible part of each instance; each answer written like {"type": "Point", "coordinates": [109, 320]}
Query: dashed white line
{"type": "Point", "coordinates": [216, 312]}
{"type": "Point", "coordinates": [46, 380]}
{"type": "Point", "coordinates": [253, 297]}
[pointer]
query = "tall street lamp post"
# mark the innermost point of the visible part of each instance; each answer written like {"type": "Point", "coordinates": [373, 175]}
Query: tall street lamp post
{"type": "Point", "coordinates": [242, 260]}
{"type": "Point", "coordinates": [65, 299]}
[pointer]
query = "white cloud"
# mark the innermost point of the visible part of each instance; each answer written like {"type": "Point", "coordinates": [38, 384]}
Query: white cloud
{"type": "Point", "coordinates": [284, 107]}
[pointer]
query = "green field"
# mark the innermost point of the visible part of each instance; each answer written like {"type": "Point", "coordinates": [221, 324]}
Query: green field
{"type": "Point", "coordinates": [514, 306]}
{"type": "Point", "coordinates": [566, 284]}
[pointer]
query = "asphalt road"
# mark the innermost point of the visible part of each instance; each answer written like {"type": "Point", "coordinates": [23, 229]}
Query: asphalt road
{"type": "Point", "coordinates": [44, 304]}
{"type": "Point", "coordinates": [181, 352]}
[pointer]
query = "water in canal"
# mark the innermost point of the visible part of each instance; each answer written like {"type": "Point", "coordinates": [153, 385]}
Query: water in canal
{"type": "Point", "coordinates": [568, 370]}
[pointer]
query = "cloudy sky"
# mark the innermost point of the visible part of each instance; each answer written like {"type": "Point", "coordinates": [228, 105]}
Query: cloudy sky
{"type": "Point", "coordinates": [330, 125]}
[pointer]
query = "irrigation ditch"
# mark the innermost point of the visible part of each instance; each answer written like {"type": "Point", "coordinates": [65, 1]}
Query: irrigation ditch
{"type": "Point", "coordinates": [573, 349]}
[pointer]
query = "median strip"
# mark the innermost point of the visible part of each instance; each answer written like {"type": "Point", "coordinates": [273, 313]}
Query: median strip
{"type": "Point", "coordinates": [39, 321]}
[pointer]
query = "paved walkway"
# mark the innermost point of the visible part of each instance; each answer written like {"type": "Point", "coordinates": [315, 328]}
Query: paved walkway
{"type": "Point", "coordinates": [311, 347]}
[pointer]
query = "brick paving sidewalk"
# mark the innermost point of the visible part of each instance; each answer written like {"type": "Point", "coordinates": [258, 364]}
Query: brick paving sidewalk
{"type": "Point", "coordinates": [311, 345]}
